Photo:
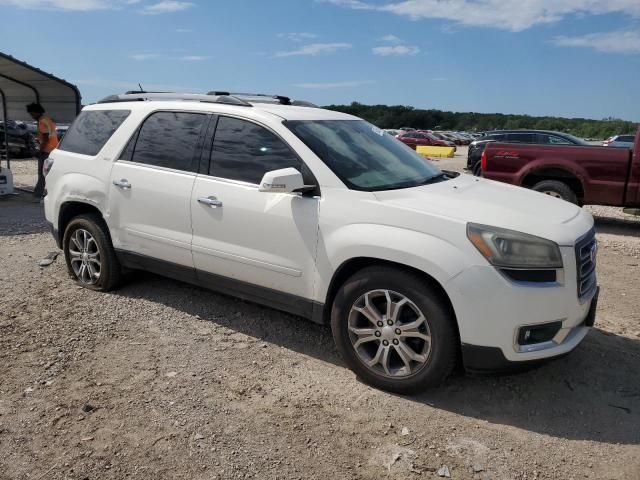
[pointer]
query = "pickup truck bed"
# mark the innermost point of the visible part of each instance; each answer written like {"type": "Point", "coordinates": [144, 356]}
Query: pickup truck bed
{"type": "Point", "coordinates": [579, 174]}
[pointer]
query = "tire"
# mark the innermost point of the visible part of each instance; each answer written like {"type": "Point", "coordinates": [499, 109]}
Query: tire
{"type": "Point", "coordinates": [95, 254]}
{"type": "Point", "coordinates": [439, 358]}
{"type": "Point", "coordinates": [477, 169]}
{"type": "Point", "coordinates": [558, 189]}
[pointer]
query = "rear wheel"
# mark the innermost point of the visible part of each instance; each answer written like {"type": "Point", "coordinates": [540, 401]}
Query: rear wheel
{"type": "Point", "coordinates": [557, 189]}
{"type": "Point", "coordinates": [90, 257]}
{"type": "Point", "coordinates": [393, 330]}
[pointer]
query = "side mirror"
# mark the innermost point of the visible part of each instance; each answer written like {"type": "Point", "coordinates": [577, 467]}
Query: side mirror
{"type": "Point", "coordinates": [285, 180]}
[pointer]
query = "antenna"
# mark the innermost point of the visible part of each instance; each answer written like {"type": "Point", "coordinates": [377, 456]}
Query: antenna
{"type": "Point", "coordinates": [141, 89]}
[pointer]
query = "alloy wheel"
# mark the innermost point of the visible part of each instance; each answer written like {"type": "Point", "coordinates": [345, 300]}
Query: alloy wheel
{"type": "Point", "coordinates": [84, 255]}
{"type": "Point", "coordinates": [389, 333]}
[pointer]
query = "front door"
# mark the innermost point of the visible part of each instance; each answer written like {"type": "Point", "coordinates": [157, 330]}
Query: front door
{"type": "Point", "coordinates": [151, 185]}
{"type": "Point", "coordinates": [245, 238]}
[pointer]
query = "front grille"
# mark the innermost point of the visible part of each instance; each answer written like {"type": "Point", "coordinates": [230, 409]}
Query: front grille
{"type": "Point", "coordinates": [586, 249]}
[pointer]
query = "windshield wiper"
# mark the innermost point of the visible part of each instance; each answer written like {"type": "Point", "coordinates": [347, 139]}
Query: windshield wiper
{"type": "Point", "coordinates": [439, 177]}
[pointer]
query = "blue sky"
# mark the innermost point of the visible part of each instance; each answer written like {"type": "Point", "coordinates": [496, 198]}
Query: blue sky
{"type": "Point", "coordinates": [576, 58]}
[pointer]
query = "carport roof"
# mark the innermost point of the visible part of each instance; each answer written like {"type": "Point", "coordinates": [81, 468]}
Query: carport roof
{"type": "Point", "coordinates": [21, 84]}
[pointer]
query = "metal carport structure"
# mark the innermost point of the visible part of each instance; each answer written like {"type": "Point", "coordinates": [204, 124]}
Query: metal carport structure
{"type": "Point", "coordinates": [21, 84]}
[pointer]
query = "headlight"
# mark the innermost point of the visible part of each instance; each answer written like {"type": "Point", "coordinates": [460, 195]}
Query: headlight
{"type": "Point", "coordinates": [509, 249]}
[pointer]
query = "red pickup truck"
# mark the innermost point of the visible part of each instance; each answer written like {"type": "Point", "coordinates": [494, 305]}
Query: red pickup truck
{"type": "Point", "coordinates": [585, 175]}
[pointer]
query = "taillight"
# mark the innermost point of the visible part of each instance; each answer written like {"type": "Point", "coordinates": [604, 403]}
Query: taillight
{"type": "Point", "coordinates": [483, 160]}
{"type": "Point", "coordinates": [46, 166]}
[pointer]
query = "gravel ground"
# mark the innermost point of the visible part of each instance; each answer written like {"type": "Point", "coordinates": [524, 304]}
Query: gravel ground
{"type": "Point", "coordinates": [164, 380]}
{"type": "Point", "coordinates": [25, 172]}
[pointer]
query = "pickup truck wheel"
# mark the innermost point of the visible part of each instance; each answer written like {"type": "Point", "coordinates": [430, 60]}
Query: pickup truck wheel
{"type": "Point", "coordinates": [557, 189]}
{"type": "Point", "coordinates": [89, 254]}
{"type": "Point", "coordinates": [393, 330]}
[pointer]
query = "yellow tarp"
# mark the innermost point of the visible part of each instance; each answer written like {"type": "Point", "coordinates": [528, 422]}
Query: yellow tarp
{"type": "Point", "coordinates": [429, 151]}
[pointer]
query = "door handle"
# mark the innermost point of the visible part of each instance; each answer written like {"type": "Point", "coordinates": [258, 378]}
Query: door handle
{"type": "Point", "coordinates": [124, 184]}
{"type": "Point", "coordinates": [212, 201]}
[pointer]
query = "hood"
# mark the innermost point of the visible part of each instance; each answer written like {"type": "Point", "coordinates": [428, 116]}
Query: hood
{"type": "Point", "coordinates": [471, 199]}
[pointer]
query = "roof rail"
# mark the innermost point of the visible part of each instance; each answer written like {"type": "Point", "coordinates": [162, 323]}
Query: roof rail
{"type": "Point", "coordinates": [141, 96]}
{"type": "Point", "coordinates": [264, 98]}
{"type": "Point", "coordinates": [215, 96]}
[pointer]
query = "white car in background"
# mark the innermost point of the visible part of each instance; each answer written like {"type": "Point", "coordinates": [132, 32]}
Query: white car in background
{"type": "Point", "coordinates": [323, 215]}
{"type": "Point", "coordinates": [620, 141]}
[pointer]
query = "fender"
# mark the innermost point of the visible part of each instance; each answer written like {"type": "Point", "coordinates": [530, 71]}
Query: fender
{"type": "Point", "coordinates": [75, 187]}
{"type": "Point", "coordinates": [432, 255]}
{"type": "Point", "coordinates": [571, 167]}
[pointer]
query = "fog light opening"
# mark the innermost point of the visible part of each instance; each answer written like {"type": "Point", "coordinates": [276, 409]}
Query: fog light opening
{"type": "Point", "coordinates": [540, 333]}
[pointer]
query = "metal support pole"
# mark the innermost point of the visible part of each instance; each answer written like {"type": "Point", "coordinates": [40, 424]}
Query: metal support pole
{"type": "Point", "coordinates": [6, 127]}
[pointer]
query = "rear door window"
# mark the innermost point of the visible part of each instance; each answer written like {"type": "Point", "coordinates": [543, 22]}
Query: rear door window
{"type": "Point", "coordinates": [625, 138]}
{"type": "Point", "coordinates": [553, 140]}
{"type": "Point", "coordinates": [245, 151]}
{"type": "Point", "coordinates": [91, 130]}
{"type": "Point", "coordinates": [547, 139]}
{"type": "Point", "coordinates": [169, 140]}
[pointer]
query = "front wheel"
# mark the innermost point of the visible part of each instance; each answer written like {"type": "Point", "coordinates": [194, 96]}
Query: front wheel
{"type": "Point", "coordinates": [557, 189]}
{"type": "Point", "coordinates": [394, 331]}
{"type": "Point", "coordinates": [90, 257]}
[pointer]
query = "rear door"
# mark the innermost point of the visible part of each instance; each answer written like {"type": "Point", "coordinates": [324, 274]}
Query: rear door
{"type": "Point", "coordinates": [151, 184]}
{"type": "Point", "coordinates": [248, 238]}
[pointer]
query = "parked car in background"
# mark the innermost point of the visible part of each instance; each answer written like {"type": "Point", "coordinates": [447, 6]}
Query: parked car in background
{"type": "Point", "coordinates": [418, 138]}
{"type": "Point", "coordinates": [621, 141]}
{"type": "Point", "coordinates": [414, 268]}
{"type": "Point", "coordinates": [463, 139]}
{"type": "Point", "coordinates": [22, 143]}
{"type": "Point", "coordinates": [543, 137]}
{"type": "Point", "coordinates": [437, 141]}
{"type": "Point", "coordinates": [584, 175]}
{"type": "Point", "coordinates": [447, 137]}
{"type": "Point", "coordinates": [407, 129]}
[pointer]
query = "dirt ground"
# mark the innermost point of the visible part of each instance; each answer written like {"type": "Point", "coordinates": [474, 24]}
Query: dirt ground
{"type": "Point", "coordinates": [163, 380]}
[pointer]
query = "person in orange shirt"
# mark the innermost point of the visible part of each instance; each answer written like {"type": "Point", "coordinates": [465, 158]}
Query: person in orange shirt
{"type": "Point", "coordinates": [48, 139]}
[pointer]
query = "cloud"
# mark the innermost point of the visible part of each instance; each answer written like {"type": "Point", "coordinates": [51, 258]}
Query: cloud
{"type": "Point", "coordinates": [194, 58]}
{"type": "Point", "coordinates": [348, 84]}
{"type": "Point", "coordinates": [398, 50]}
{"type": "Point", "coordinates": [514, 15]}
{"type": "Point", "coordinates": [626, 42]}
{"type": "Point", "coordinates": [144, 56]}
{"type": "Point", "coordinates": [315, 49]}
{"type": "Point", "coordinates": [298, 37]}
{"type": "Point", "coordinates": [166, 6]}
{"type": "Point", "coordinates": [391, 39]}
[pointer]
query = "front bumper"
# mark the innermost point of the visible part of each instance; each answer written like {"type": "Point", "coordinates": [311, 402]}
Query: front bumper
{"type": "Point", "coordinates": [491, 309]}
{"type": "Point", "coordinates": [480, 359]}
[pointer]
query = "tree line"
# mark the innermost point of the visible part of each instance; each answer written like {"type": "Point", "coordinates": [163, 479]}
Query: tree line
{"type": "Point", "coordinates": [396, 116]}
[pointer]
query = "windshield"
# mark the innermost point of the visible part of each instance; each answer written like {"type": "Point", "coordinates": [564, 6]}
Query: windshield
{"type": "Point", "coordinates": [363, 156]}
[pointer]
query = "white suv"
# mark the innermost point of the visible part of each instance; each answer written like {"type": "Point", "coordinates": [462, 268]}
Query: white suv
{"type": "Point", "coordinates": [323, 215]}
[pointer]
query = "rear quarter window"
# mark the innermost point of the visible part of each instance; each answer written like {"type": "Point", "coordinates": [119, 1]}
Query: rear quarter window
{"type": "Point", "coordinates": [91, 130]}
